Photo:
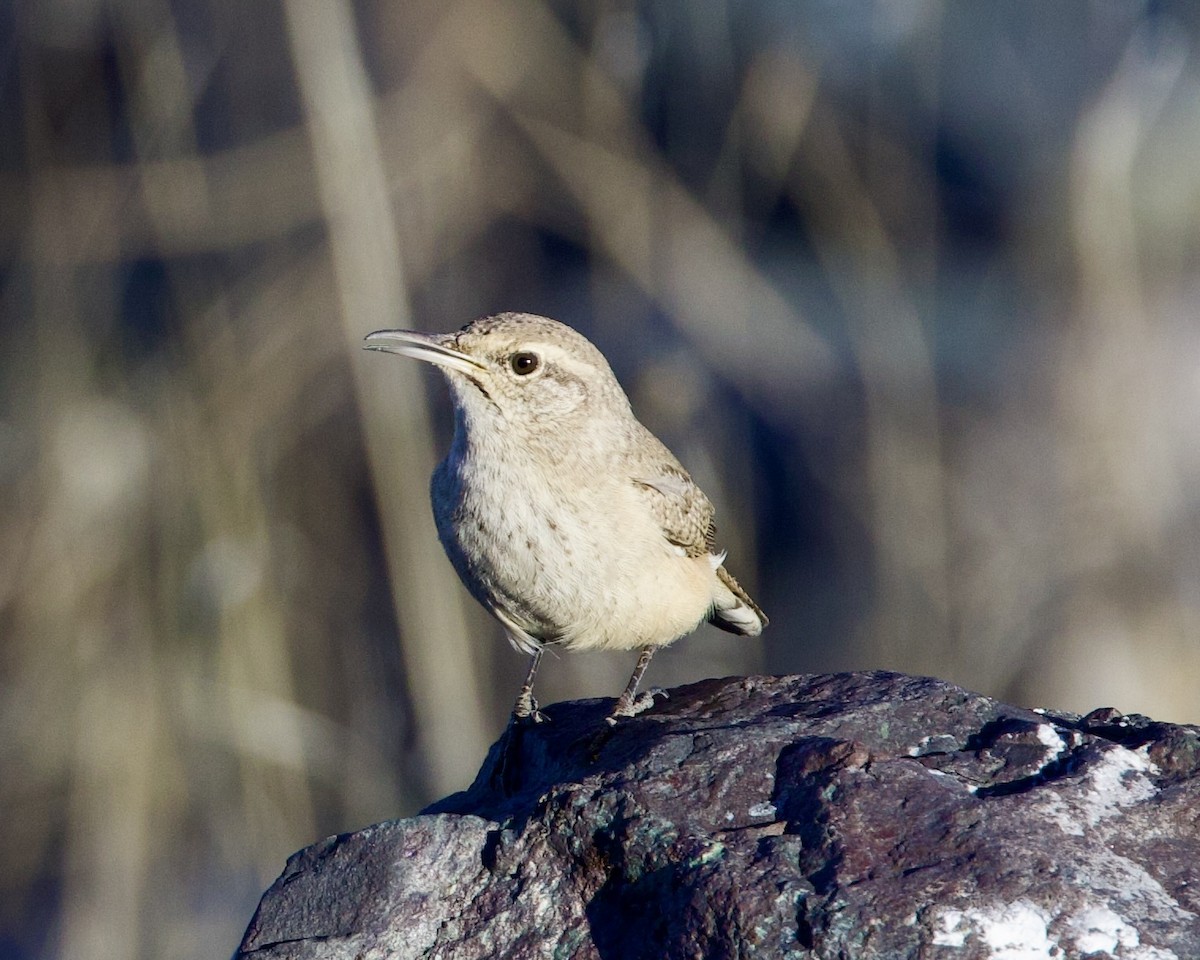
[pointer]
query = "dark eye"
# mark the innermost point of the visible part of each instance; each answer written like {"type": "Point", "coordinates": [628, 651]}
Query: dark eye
{"type": "Point", "coordinates": [524, 363]}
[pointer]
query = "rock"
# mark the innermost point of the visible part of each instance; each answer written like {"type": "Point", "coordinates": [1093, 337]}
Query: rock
{"type": "Point", "coordinates": [853, 815]}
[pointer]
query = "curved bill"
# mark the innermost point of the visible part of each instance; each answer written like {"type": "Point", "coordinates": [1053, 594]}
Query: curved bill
{"type": "Point", "coordinates": [430, 347]}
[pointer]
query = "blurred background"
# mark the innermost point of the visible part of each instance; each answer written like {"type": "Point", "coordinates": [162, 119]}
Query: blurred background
{"type": "Point", "coordinates": [911, 287]}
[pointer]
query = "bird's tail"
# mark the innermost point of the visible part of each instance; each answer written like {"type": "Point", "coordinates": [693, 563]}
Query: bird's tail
{"type": "Point", "coordinates": [733, 610]}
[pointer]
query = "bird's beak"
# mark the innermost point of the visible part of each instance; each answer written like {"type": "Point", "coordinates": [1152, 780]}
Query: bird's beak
{"type": "Point", "coordinates": [430, 347]}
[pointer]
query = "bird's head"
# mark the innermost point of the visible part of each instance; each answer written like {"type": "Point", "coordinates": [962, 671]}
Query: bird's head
{"type": "Point", "coordinates": [515, 369]}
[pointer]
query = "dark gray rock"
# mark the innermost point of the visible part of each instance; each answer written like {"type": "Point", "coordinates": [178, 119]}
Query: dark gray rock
{"type": "Point", "coordinates": [846, 816]}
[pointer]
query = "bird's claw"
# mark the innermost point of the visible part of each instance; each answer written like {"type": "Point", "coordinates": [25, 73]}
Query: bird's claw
{"type": "Point", "coordinates": [639, 704]}
{"type": "Point", "coordinates": [526, 711]}
{"type": "Point", "coordinates": [646, 700]}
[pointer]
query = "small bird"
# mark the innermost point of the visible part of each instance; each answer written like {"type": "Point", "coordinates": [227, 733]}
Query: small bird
{"type": "Point", "coordinates": [564, 516]}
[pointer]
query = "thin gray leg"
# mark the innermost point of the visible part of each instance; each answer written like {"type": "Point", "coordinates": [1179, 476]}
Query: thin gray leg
{"type": "Point", "coordinates": [626, 705]}
{"type": "Point", "coordinates": [506, 771]}
{"type": "Point", "coordinates": [526, 707]}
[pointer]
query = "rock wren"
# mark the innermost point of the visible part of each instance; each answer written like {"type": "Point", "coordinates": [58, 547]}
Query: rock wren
{"type": "Point", "coordinates": [563, 515]}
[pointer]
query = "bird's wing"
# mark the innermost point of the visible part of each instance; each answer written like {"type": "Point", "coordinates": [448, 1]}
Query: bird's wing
{"type": "Point", "coordinates": [681, 508]}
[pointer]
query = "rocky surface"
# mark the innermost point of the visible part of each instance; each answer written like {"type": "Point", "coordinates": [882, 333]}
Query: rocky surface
{"type": "Point", "coordinates": [844, 816]}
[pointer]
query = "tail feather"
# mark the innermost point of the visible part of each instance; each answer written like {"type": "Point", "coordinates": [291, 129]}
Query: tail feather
{"type": "Point", "coordinates": [736, 612]}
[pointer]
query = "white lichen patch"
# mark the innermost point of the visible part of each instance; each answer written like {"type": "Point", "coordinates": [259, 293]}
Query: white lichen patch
{"type": "Point", "coordinates": [945, 742]}
{"type": "Point", "coordinates": [1055, 809]}
{"type": "Point", "coordinates": [1052, 740]}
{"type": "Point", "coordinates": [919, 748]}
{"type": "Point", "coordinates": [1119, 779]}
{"type": "Point", "coordinates": [1013, 931]}
{"type": "Point", "coordinates": [1017, 931]}
{"type": "Point", "coordinates": [952, 929]}
{"type": "Point", "coordinates": [764, 809]}
{"type": "Point", "coordinates": [1023, 931]}
{"type": "Point", "coordinates": [1099, 929]}
{"type": "Point", "coordinates": [1125, 885]}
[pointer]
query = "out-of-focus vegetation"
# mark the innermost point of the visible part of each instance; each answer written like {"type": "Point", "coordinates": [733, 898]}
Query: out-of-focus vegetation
{"type": "Point", "coordinates": [912, 287]}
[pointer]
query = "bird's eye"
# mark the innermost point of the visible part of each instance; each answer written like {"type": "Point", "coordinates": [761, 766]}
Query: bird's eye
{"type": "Point", "coordinates": [524, 363]}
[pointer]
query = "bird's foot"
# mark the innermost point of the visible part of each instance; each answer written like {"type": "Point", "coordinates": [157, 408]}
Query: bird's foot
{"type": "Point", "coordinates": [625, 707]}
{"type": "Point", "coordinates": [635, 705]}
{"type": "Point", "coordinates": [526, 711]}
{"type": "Point", "coordinates": [645, 700]}
{"type": "Point", "coordinates": [505, 775]}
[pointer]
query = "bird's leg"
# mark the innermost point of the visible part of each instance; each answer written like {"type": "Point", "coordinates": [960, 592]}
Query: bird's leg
{"type": "Point", "coordinates": [526, 707]}
{"type": "Point", "coordinates": [506, 771]}
{"type": "Point", "coordinates": [628, 705]}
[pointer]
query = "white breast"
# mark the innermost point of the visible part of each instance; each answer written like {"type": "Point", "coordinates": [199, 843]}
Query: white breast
{"type": "Point", "coordinates": [582, 565]}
